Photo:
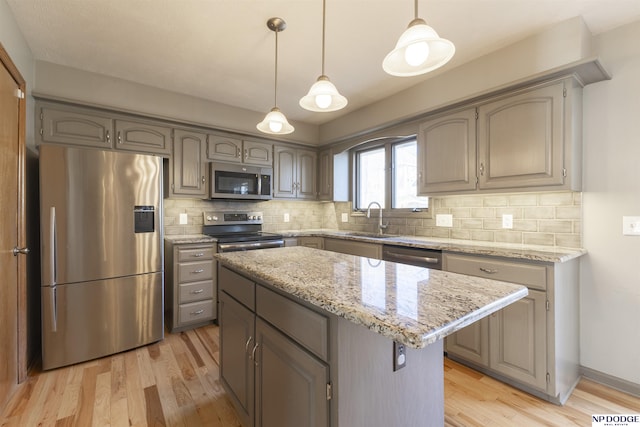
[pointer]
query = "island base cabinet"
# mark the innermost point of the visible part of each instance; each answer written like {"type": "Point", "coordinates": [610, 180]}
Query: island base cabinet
{"type": "Point", "coordinates": [290, 383]}
{"type": "Point", "coordinates": [370, 393]}
{"type": "Point", "coordinates": [237, 332]}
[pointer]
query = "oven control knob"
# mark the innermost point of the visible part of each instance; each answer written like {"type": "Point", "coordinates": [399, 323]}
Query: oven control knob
{"type": "Point", "coordinates": [209, 218]}
{"type": "Point", "coordinates": [259, 218]}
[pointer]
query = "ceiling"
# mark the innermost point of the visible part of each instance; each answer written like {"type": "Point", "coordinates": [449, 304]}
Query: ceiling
{"type": "Point", "coordinates": [222, 50]}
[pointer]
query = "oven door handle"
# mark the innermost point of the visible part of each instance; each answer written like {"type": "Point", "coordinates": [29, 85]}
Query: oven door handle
{"type": "Point", "coordinates": [247, 246]}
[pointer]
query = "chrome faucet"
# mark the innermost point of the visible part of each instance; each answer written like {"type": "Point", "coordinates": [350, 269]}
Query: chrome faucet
{"type": "Point", "coordinates": [381, 226]}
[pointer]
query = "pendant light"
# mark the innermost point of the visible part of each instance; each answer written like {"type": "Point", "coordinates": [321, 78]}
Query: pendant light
{"type": "Point", "coordinates": [418, 51]}
{"type": "Point", "coordinates": [323, 95]}
{"type": "Point", "coordinates": [275, 122]}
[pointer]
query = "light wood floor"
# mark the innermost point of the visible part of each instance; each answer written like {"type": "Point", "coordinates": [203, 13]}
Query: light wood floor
{"type": "Point", "coordinates": [175, 383]}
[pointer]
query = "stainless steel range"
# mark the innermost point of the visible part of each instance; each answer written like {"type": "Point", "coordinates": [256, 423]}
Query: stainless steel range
{"type": "Point", "coordinates": [239, 231]}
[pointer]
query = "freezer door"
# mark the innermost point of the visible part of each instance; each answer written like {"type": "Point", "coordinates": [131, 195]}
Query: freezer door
{"type": "Point", "coordinates": [84, 321]}
{"type": "Point", "coordinates": [100, 214]}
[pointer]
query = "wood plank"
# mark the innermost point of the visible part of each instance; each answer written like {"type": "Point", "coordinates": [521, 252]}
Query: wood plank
{"type": "Point", "coordinates": [163, 385]}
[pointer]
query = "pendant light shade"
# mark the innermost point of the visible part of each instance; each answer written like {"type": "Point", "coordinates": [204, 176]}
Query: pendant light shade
{"type": "Point", "coordinates": [418, 51]}
{"type": "Point", "coordinates": [275, 122]}
{"type": "Point", "coordinates": [323, 95]}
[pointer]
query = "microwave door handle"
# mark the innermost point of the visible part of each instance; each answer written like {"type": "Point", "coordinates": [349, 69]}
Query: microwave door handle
{"type": "Point", "coordinates": [259, 184]}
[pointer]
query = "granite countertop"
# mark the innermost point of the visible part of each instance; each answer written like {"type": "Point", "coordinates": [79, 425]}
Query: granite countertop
{"type": "Point", "coordinates": [554, 254]}
{"type": "Point", "coordinates": [189, 238]}
{"type": "Point", "coordinates": [412, 305]}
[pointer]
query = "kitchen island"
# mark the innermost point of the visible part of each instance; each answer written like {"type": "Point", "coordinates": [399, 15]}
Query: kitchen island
{"type": "Point", "coordinates": [310, 337]}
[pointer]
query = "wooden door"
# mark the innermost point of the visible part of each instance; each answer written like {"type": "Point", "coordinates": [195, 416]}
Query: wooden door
{"type": "Point", "coordinates": [471, 343]}
{"type": "Point", "coordinates": [12, 268]}
{"type": "Point", "coordinates": [325, 175]}
{"type": "Point", "coordinates": [141, 137]}
{"type": "Point", "coordinates": [258, 153]}
{"type": "Point", "coordinates": [224, 148]}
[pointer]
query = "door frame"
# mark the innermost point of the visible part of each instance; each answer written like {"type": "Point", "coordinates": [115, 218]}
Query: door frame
{"type": "Point", "coordinates": [8, 64]}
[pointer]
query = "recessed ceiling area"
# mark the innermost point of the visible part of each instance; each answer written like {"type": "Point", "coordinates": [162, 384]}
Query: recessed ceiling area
{"type": "Point", "coordinates": [222, 50]}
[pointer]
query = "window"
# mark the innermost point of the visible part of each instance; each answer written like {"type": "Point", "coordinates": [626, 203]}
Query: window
{"type": "Point", "coordinates": [394, 186]}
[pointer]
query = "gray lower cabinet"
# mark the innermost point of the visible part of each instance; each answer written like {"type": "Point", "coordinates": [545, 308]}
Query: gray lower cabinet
{"type": "Point", "coordinates": [311, 242]}
{"type": "Point", "coordinates": [352, 247]}
{"type": "Point", "coordinates": [190, 285]}
{"type": "Point", "coordinates": [533, 343]}
{"type": "Point", "coordinates": [273, 356]}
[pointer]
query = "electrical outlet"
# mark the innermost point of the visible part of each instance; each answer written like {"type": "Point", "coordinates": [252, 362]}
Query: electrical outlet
{"type": "Point", "coordinates": [286, 217]}
{"type": "Point", "coordinates": [399, 356]}
{"type": "Point", "coordinates": [184, 219]}
{"type": "Point", "coordinates": [507, 221]}
{"type": "Point", "coordinates": [444, 220]}
{"type": "Point", "coordinates": [631, 225]}
{"type": "Point", "coordinates": [345, 217]}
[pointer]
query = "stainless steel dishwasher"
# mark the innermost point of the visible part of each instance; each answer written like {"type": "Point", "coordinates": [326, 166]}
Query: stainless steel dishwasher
{"type": "Point", "coordinates": [428, 258]}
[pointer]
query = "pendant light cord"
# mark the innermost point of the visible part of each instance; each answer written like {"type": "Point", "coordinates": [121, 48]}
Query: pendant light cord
{"type": "Point", "coordinates": [324, 15]}
{"type": "Point", "coordinates": [416, 9]}
{"type": "Point", "coordinates": [275, 94]}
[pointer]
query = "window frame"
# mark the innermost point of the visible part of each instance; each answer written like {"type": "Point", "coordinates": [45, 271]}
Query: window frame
{"type": "Point", "coordinates": [387, 144]}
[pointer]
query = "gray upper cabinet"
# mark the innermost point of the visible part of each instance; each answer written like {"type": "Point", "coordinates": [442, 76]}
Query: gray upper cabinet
{"type": "Point", "coordinates": [294, 173]}
{"type": "Point", "coordinates": [188, 166]}
{"type": "Point", "coordinates": [325, 175]}
{"type": "Point", "coordinates": [73, 126]}
{"type": "Point", "coordinates": [234, 150]}
{"type": "Point", "coordinates": [447, 153]}
{"type": "Point", "coordinates": [528, 139]}
{"type": "Point", "coordinates": [142, 137]}
{"type": "Point", "coordinates": [521, 139]}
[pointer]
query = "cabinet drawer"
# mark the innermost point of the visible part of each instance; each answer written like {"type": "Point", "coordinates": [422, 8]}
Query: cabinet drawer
{"type": "Point", "coordinates": [308, 328]}
{"type": "Point", "coordinates": [530, 275]}
{"type": "Point", "coordinates": [195, 312]}
{"type": "Point", "coordinates": [195, 291]}
{"type": "Point", "coordinates": [194, 254]}
{"type": "Point", "coordinates": [239, 287]}
{"type": "Point", "coordinates": [192, 271]}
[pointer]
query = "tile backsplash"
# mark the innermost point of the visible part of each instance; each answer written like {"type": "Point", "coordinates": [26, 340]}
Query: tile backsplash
{"type": "Point", "coordinates": [546, 218]}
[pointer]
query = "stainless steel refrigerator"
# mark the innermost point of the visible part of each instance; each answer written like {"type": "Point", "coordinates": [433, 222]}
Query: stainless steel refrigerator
{"type": "Point", "coordinates": [102, 253]}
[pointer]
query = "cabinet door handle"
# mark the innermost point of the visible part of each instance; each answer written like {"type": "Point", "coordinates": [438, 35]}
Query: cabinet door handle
{"type": "Point", "coordinates": [108, 137]}
{"type": "Point", "coordinates": [198, 271]}
{"type": "Point", "coordinates": [119, 137]}
{"type": "Point", "coordinates": [246, 154]}
{"type": "Point", "coordinates": [253, 354]}
{"type": "Point", "coordinates": [203, 180]}
{"type": "Point", "coordinates": [246, 346]}
{"type": "Point", "coordinates": [488, 270]}
{"type": "Point", "coordinates": [196, 292]}
{"type": "Point", "coordinates": [482, 169]}
{"type": "Point", "coordinates": [197, 313]}
{"type": "Point", "coordinates": [238, 152]}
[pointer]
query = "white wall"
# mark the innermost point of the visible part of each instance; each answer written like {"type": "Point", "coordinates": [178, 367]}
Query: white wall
{"type": "Point", "coordinates": [19, 52]}
{"type": "Point", "coordinates": [610, 274]}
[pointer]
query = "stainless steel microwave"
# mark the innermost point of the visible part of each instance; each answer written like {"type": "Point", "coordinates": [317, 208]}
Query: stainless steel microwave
{"type": "Point", "coordinates": [231, 181]}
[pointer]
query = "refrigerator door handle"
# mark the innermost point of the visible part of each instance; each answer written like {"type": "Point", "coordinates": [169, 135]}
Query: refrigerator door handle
{"type": "Point", "coordinates": [52, 242]}
{"type": "Point", "coordinates": [54, 309]}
